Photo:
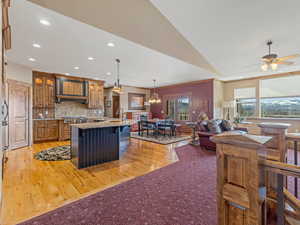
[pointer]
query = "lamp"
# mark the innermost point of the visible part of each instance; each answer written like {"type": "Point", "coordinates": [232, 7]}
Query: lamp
{"type": "Point", "coordinates": [274, 66]}
{"type": "Point", "coordinates": [264, 67]}
{"type": "Point", "coordinates": [154, 98]}
{"type": "Point", "coordinates": [117, 87]}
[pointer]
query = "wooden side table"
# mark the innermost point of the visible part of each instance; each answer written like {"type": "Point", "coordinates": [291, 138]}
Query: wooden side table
{"type": "Point", "coordinates": [295, 137]}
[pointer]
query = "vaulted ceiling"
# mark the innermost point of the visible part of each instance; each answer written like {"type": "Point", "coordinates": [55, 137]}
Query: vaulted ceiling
{"type": "Point", "coordinates": [172, 42]}
{"type": "Point", "coordinates": [232, 34]}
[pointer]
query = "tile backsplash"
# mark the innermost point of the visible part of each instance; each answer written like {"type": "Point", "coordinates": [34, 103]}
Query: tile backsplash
{"type": "Point", "coordinates": [65, 109]}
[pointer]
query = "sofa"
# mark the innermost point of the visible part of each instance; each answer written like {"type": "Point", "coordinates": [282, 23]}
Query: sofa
{"type": "Point", "coordinates": [209, 128]}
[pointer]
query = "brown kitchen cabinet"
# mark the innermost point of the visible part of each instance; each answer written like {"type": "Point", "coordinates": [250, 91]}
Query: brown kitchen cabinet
{"type": "Point", "coordinates": [45, 130]}
{"type": "Point", "coordinates": [64, 131]}
{"type": "Point", "coordinates": [96, 99]}
{"type": "Point", "coordinates": [43, 90]}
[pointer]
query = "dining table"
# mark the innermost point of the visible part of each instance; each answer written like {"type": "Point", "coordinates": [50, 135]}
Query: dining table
{"type": "Point", "coordinates": [155, 123]}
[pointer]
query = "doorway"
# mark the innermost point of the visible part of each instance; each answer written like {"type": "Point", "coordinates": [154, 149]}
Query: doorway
{"type": "Point", "coordinates": [18, 122]}
{"type": "Point", "coordinates": [116, 106]}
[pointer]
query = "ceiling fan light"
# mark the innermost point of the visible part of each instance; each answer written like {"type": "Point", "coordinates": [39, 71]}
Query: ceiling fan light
{"type": "Point", "coordinates": [274, 66]}
{"type": "Point", "coordinates": [264, 67]}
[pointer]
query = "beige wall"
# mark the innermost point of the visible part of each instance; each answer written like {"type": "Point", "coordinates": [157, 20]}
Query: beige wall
{"type": "Point", "coordinates": [218, 99]}
{"type": "Point", "coordinates": [229, 96]}
{"type": "Point", "coordinates": [124, 99]}
{"type": "Point", "coordinates": [18, 72]}
{"type": "Point", "coordinates": [230, 86]}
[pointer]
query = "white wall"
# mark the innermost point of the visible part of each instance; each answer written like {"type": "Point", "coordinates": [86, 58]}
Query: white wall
{"type": "Point", "coordinates": [19, 72]}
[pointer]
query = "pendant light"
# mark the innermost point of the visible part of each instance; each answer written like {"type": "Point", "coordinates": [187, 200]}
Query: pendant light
{"type": "Point", "coordinates": [117, 87]}
{"type": "Point", "coordinates": [154, 99]}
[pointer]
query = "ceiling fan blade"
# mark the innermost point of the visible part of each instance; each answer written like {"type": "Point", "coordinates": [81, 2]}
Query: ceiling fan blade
{"type": "Point", "coordinates": [288, 57]}
{"type": "Point", "coordinates": [285, 62]}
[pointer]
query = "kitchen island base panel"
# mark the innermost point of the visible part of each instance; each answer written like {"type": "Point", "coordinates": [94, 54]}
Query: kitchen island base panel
{"type": "Point", "coordinates": [98, 145]}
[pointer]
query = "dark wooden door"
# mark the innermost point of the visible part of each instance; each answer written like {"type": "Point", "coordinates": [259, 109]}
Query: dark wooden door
{"type": "Point", "coordinates": [116, 106]}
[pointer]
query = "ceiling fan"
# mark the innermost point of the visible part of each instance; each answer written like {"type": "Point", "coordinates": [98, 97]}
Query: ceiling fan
{"type": "Point", "coordinates": [272, 60]}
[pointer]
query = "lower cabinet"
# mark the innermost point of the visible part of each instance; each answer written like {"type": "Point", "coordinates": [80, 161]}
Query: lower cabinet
{"type": "Point", "coordinates": [45, 130]}
{"type": "Point", "coordinates": [64, 131]}
{"type": "Point", "coordinates": [51, 130]}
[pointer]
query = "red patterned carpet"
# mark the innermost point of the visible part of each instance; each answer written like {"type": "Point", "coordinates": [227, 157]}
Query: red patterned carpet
{"type": "Point", "coordinates": [183, 193]}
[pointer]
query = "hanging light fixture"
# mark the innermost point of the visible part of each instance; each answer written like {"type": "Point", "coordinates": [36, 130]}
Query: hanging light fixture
{"type": "Point", "coordinates": [117, 87]}
{"type": "Point", "coordinates": [154, 99]}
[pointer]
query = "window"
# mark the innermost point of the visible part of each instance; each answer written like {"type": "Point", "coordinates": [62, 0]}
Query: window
{"type": "Point", "coordinates": [280, 97]}
{"type": "Point", "coordinates": [178, 109]}
{"type": "Point", "coordinates": [245, 101]}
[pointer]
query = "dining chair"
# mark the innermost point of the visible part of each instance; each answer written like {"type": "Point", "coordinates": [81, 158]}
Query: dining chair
{"type": "Point", "coordinates": [167, 126]}
{"type": "Point", "coordinates": [146, 126]}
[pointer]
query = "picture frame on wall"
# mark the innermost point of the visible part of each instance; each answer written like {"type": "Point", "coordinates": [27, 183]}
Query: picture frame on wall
{"type": "Point", "coordinates": [136, 101]}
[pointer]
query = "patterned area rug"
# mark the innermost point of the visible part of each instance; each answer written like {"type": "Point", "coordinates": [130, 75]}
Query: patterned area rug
{"type": "Point", "coordinates": [55, 154]}
{"type": "Point", "coordinates": [164, 140]}
{"type": "Point", "coordinates": [183, 193]}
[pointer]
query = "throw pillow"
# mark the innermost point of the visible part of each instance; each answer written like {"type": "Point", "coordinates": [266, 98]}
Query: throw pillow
{"type": "Point", "coordinates": [214, 126]}
{"type": "Point", "coordinates": [227, 125]}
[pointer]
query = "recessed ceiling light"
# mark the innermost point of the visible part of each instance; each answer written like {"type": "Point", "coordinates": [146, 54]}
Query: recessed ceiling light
{"type": "Point", "coordinates": [45, 22]}
{"type": "Point", "coordinates": [36, 45]}
{"type": "Point", "coordinates": [110, 44]}
{"type": "Point", "coordinates": [32, 59]}
{"type": "Point", "coordinates": [91, 58]}
{"type": "Point", "coordinates": [76, 68]}
{"type": "Point", "coordinates": [108, 73]}
{"type": "Point", "coordinates": [67, 74]}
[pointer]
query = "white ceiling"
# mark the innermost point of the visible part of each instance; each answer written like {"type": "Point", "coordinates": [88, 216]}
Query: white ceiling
{"type": "Point", "coordinates": [68, 43]}
{"type": "Point", "coordinates": [232, 34]}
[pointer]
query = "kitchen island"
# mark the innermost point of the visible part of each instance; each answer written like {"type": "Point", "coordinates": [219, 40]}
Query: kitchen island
{"type": "Point", "coordinates": [100, 142]}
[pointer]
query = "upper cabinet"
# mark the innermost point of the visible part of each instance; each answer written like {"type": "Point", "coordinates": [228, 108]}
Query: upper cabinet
{"type": "Point", "coordinates": [51, 88]}
{"type": "Point", "coordinates": [96, 98]}
{"type": "Point", "coordinates": [71, 88]}
{"type": "Point", "coordinates": [43, 90]}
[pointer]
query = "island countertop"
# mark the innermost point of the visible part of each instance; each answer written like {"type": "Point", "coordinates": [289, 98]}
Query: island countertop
{"type": "Point", "coordinates": [102, 124]}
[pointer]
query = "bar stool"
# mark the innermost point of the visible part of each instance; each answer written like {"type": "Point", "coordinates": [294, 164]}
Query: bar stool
{"type": "Point", "coordinates": [294, 137]}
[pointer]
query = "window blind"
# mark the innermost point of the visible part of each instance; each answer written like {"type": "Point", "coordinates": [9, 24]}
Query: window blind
{"type": "Point", "coordinates": [280, 87]}
{"type": "Point", "coordinates": [244, 93]}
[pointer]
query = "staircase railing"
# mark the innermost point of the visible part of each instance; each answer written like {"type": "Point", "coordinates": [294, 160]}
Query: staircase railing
{"type": "Point", "coordinates": [252, 179]}
{"type": "Point", "coordinates": [288, 206]}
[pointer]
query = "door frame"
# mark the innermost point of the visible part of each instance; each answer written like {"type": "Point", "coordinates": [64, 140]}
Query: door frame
{"type": "Point", "coordinates": [113, 104]}
{"type": "Point", "coordinates": [30, 122]}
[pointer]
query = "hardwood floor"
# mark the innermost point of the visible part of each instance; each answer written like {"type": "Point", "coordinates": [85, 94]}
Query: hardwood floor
{"type": "Point", "coordinates": [32, 187]}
